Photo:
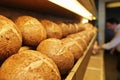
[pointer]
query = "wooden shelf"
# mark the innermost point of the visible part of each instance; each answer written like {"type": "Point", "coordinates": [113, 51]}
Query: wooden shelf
{"type": "Point", "coordinates": [43, 6]}
{"type": "Point", "coordinates": [78, 71]}
{"type": "Point", "coordinates": [89, 5]}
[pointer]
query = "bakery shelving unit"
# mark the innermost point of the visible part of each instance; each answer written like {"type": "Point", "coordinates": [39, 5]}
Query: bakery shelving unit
{"type": "Point", "coordinates": [68, 10]}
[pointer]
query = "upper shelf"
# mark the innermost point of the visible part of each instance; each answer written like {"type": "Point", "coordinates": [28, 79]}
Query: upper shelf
{"type": "Point", "coordinates": [50, 7]}
{"type": "Point", "coordinates": [89, 5]}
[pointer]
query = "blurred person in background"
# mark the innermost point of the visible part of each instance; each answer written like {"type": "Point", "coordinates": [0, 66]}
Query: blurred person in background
{"type": "Point", "coordinates": [113, 24]}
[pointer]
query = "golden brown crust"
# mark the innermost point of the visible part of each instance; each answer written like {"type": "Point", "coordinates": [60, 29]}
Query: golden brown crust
{"type": "Point", "coordinates": [79, 40]}
{"type": "Point", "coordinates": [73, 47]}
{"type": "Point", "coordinates": [29, 65]}
{"type": "Point", "coordinates": [32, 30]}
{"type": "Point", "coordinates": [10, 38]}
{"type": "Point", "coordinates": [65, 28]}
{"type": "Point", "coordinates": [84, 36]}
{"type": "Point", "coordinates": [54, 49]}
{"type": "Point", "coordinates": [72, 28]}
{"type": "Point", "coordinates": [23, 48]}
{"type": "Point", "coordinates": [79, 28]}
{"type": "Point", "coordinates": [52, 29]}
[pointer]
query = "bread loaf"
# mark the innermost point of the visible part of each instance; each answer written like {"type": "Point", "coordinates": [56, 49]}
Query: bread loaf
{"type": "Point", "coordinates": [73, 47]}
{"type": "Point", "coordinates": [78, 27]}
{"type": "Point", "coordinates": [79, 40]}
{"type": "Point", "coordinates": [60, 54]}
{"type": "Point", "coordinates": [85, 36]}
{"type": "Point", "coordinates": [32, 30]}
{"type": "Point", "coordinates": [52, 29]}
{"type": "Point", "coordinates": [23, 48]}
{"type": "Point", "coordinates": [10, 38]}
{"type": "Point", "coordinates": [29, 65]}
{"type": "Point", "coordinates": [89, 27]}
{"type": "Point", "coordinates": [72, 28]}
{"type": "Point", "coordinates": [88, 34]}
{"type": "Point", "coordinates": [65, 29]}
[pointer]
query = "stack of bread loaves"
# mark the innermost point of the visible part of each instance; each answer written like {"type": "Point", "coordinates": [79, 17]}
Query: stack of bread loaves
{"type": "Point", "coordinates": [29, 65]}
{"type": "Point", "coordinates": [10, 38]}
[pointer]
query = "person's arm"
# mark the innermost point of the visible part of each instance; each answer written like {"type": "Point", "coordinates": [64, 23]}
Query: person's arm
{"type": "Point", "coordinates": [113, 43]}
{"type": "Point", "coordinates": [112, 51]}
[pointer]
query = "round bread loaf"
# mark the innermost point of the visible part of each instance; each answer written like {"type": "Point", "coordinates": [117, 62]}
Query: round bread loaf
{"type": "Point", "coordinates": [88, 26]}
{"type": "Point", "coordinates": [23, 48]}
{"type": "Point", "coordinates": [73, 47]}
{"type": "Point", "coordinates": [78, 27]}
{"type": "Point", "coordinates": [65, 29]}
{"type": "Point", "coordinates": [29, 65]}
{"type": "Point", "coordinates": [10, 38]}
{"type": "Point", "coordinates": [88, 34]}
{"type": "Point", "coordinates": [54, 49]}
{"type": "Point", "coordinates": [32, 30]}
{"type": "Point", "coordinates": [52, 29]}
{"type": "Point", "coordinates": [79, 40]}
{"type": "Point", "coordinates": [72, 28]}
{"type": "Point", "coordinates": [85, 36]}
{"type": "Point", "coordinates": [95, 30]}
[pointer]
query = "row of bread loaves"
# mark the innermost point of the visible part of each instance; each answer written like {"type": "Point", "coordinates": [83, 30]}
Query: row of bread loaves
{"type": "Point", "coordinates": [67, 50]}
{"type": "Point", "coordinates": [52, 55]}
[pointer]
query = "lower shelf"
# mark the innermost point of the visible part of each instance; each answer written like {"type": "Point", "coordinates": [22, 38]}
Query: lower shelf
{"type": "Point", "coordinates": [95, 69]}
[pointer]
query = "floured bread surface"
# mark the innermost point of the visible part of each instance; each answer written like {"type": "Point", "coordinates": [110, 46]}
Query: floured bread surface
{"type": "Point", "coordinates": [32, 30]}
{"type": "Point", "coordinates": [85, 35]}
{"type": "Point", "coordinates": [10, 38]}
{"type": "Point", "coordinates": [23, 48]}
{"type": "Point", "coordinates": [54, 49]}
{"type": "Point", "coordinates": [73, 47]}
{"type": "Point", "coordinates": [52, 29]}
{"type": "Point", "coordinates": [78, 27]}
{"type": "Point", "coordinates": [65, 28]}
{"type": "Point", "coordinates": [72, 28]}
{"type": "Point", "coordinates": [79, 40]}
{"type": "Point", "coordinates": [29, 65]}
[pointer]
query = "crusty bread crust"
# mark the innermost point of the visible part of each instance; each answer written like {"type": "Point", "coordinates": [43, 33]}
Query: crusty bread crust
{"type": "Point", "coordinates": [32, 30]}
{"type": "Point", "coordinates": [29, 65]}
{"type": "Point", "coordinates": [10, 38]}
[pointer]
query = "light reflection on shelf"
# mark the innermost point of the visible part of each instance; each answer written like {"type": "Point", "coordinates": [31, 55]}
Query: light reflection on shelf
{"type": "Point", "coordinates": [74, 6]}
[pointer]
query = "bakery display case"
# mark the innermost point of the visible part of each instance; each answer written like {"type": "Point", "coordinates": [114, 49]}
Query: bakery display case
{"type": "Point", "coordinates": [63, 24]}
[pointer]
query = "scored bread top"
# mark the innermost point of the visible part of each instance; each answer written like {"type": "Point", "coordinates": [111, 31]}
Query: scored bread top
{"type": "Point", "coordinates": [29, 65]}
